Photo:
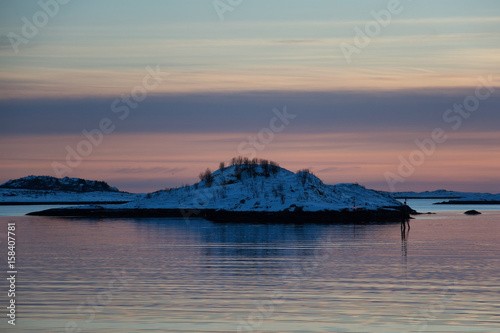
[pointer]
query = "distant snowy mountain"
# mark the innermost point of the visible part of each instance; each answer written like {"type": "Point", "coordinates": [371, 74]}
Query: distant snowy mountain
{"type": "Point", "coordinates": [264, 188]}
{"type": "Point", "coordinates": [47, 183]}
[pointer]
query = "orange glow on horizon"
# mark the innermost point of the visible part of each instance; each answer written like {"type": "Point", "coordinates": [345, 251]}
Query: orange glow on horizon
{"type": "Point", "coordinates": [148, 162]}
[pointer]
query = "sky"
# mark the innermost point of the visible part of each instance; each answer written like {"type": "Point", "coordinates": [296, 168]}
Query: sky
{"type": "Point", "coordinates": [395, 95]}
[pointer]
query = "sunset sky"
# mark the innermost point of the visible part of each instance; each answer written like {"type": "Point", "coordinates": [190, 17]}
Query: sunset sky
{"type": "Point", "coordinates": [209, 77]}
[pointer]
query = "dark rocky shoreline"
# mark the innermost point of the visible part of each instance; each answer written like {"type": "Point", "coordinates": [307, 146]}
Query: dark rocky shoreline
{"type": "Point", "coordinates": [386, 214]}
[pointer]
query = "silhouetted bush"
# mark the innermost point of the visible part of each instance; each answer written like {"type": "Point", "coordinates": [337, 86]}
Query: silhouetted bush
{"type": "Point", "coordinates": [308, 171]}
{"type": "Point", "coordinates": [250, 166]}
{"type": "Point", "coordinates": [273, 167]}
{"type": "Point", "coordinates": [207, 177]}
{"type": "Point", "coordinates": [237, 161]}
{"type": "Point", "coordinates": [304, 174]}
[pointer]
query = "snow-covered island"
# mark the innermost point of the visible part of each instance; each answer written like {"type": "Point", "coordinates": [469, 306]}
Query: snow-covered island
{"type": "Point", "coordinates": [256, 190]}
{"type": "Point", "coordinates": [438, 194]}
{"type": "Point", "coordinates": [42, 190]}
{"type": "Point", "coordinates": [455, 198]}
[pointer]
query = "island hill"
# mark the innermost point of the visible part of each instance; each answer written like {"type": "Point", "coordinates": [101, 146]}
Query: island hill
{"type": "Point", "coordinates": [46, 190]}
{"type": "Point", "coordinates": [256, 191]}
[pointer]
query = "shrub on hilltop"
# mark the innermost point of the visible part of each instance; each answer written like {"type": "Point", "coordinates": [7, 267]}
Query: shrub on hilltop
{"type": "Point", "coordinates": [207, 177]}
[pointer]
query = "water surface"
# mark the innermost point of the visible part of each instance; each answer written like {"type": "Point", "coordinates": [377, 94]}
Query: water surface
{"type": "Point", "coordinates": [428, 205]}
{"type": "Point", "coordinates": [173, 275]}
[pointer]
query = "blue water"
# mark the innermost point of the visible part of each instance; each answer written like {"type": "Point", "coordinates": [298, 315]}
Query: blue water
{"type": "Point", "coordinates": [175, 275]}
{"type": "Point", "coordinates": [20, 210]}
{"type": "Point", "coordinates": [427, 205]}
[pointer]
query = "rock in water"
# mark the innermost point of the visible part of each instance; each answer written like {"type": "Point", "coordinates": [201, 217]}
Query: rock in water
{"type": "Point", "coordinates": [472, 212]}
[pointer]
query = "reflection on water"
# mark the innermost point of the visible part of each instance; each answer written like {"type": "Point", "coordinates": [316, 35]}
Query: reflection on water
{"type": "Point", "coordinates": [405, 232]}
{"type": "Point", "coordinates": [196, 276]}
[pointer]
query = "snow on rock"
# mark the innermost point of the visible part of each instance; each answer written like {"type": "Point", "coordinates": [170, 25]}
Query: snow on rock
{"type": "Point", "coordinates": [252, 187]}
{"type": "Point", "coordinates": [40, 196]}
{"type": "Point", "coordinates": [456, 196]}
{"type": "Point", "coordinates": [480, 197]}
{"type": "Point", "coordinates": [428, 194]}
{"type": "Point", "coordinates": [45, 189]}
{"type": "Point", "coordinates": [67, 184]}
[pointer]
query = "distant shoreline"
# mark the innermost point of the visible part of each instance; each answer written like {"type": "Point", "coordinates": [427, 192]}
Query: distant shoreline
{"type": "Point", "coordinates": [468, 202]}
{"type": "Point", "coordinates": [417, 197]}
{"type": "Point", "coordinates": [51, 203]}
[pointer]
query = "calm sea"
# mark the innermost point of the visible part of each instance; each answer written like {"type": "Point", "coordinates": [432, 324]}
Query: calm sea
{"type": "Point", "coordinates": [175, 275]}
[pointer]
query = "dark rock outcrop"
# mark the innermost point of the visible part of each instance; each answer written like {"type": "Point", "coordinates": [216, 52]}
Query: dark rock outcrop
{"type": "Point", "coordinates": [472, 212]}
